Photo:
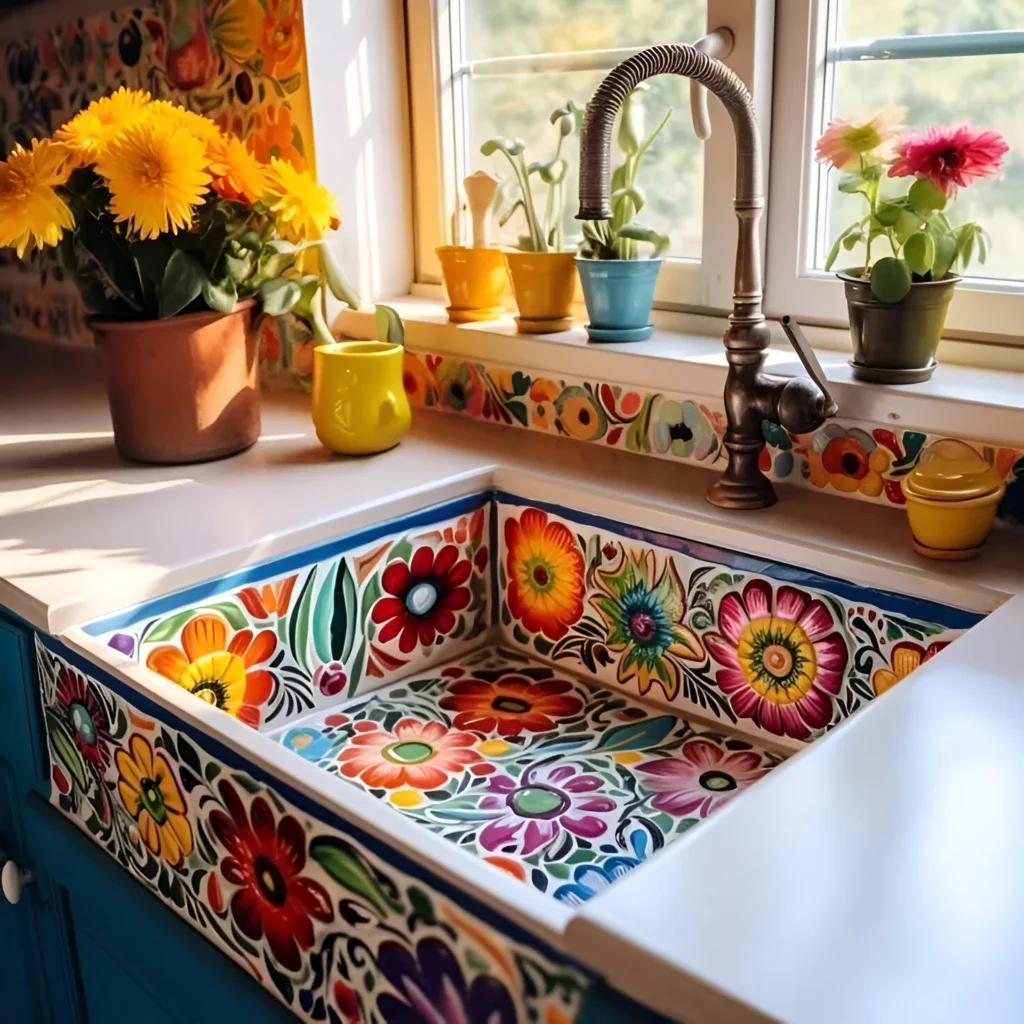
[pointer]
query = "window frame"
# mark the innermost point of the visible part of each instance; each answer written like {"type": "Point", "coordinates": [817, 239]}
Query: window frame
{"type": "Point", "coordinates": [983, 308]}
{"type": "Point", "coordinates": [438, 75]}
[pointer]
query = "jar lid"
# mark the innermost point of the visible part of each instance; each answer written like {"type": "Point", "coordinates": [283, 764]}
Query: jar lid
{"type": "Point", "coordinates": [951, 470]}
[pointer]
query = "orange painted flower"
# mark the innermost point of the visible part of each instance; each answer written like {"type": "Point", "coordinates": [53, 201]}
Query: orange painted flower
{"type": "Point", "coordinates": [544, 391]}
{"type": "Point", "coordinates": [272, 134]}
{"type": "Point", "coordinates": [845, 143]}
{"type": "Point", "coordinates": [272, 599]}
{"type": "Point", "coordinates": [850, 462]}
{"type": "Point", "coordinates": [905, 658]}
{"type": "Point", "coordinates": [281, 40]}
{"type": "Point", "coordinates": [151, 796]}
{"type": "Point", "coordinates": [545, 574]}
{"type": "Point", "coordinates": [421, 755]}
{"type": "Point", "coordinates": [419, 383]}
{"type": "Point", "coordinates": [218, 672]}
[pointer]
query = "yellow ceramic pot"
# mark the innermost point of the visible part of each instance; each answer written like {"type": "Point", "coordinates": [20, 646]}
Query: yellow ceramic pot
{"type": "Point", "coordinates": [544, 284]}
{"type": "Point", "coordinates": [359, 403]}
{"type": "Point", "coordinates": [476, 280]}
{"type": "Point", "coordinates": [952, 497]}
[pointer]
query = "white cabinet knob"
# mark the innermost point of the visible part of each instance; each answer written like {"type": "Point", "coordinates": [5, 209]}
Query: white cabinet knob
{"type": "Point", "coordinates": [13, 879]}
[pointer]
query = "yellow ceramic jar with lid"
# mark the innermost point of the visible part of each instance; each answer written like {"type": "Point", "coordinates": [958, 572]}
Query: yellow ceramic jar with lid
{"type": "Point", "coordinates": [952, 495]}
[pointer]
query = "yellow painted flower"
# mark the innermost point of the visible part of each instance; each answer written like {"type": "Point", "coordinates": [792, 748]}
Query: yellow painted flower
{"type": "Point", "coordinates": [151, 796]}
{"type": "Point", "coordinates": [237, 174]}
{"type": "Point", "coordinates": [88, 132]}
{"type": "Point", "coordinates": [156, 174]}
{"type": "Point", "coordinates": [31, 212]}
{"type": "Point", "coordinates": [238, 27]}
{"type": "Point", "coordinates": [302, 208]}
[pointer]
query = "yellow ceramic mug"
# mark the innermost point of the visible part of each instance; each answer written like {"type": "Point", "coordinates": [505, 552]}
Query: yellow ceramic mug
{"type": "Point", "coordinates": [359, 403]}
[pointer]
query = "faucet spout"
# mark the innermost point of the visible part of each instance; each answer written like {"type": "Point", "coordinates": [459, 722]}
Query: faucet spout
{"type": "Point", "coordinates": [743, 485]}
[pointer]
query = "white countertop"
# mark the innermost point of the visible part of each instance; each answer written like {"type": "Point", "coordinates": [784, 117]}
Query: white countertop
{"type": "Point", "coordinates": [875, 876]}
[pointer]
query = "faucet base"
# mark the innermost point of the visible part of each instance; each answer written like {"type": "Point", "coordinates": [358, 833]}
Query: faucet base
{"type": "Point", "coordinates": [754, 491]}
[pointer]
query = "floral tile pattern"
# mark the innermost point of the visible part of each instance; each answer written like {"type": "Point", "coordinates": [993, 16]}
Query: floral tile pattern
{"type": "Point", "coordinates": [239, 62]}
{"type": "Point", "coordinates": [858, 460]}
{"type": "Point", "coordinates": [334, 928]}
{"type": "Point", "coordinates": [277, 648]}
{"type": "Point", "coordinates": [766, 649]}
{"type": "Point", "coordinates": [565, 785]}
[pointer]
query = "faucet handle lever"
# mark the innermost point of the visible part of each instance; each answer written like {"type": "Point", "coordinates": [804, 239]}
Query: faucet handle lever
{"type": "Point", "coordinates": [718, 44]}
{"type": "Point", "coordinates": [810, 360]}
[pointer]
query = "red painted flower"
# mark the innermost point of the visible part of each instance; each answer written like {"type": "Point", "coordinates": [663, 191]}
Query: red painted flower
{"type": "Point", "coordinates": [423, 597]}
{"type": "Point", "coordinates": [950, 157]}
{"type": "Point", "coordinates": [264, 860]}
{"type": "Point", "coordinates": [511, 704]}
{"type": "Point", "coordinates": [86, 717]}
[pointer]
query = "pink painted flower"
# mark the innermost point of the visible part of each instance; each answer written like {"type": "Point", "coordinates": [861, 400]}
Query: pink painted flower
{"type": "Point", "coordinates": [529, 815]}
{"type": "Point", "coordinates": [702, 778]}
{"type": "Point", "coordinates": [783, 658]}
{"type": "Point", "coordinates": [950, 157]}
{"type": "Point", "coordinates": [845, 142]}
{"type": "Point", "coordinates": [421, 755]}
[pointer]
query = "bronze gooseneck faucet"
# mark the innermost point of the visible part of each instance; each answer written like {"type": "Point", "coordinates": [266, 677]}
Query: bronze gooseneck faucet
{"type": "Point", "coordinates": [751, 395]}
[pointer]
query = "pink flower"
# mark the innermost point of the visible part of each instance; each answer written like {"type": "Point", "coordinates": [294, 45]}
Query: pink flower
{"type": "Point", "coordinates": [702, 778]}
{"type": "Point", "coordinates": [950, 157]}
{"type": "Point", "coordinates": [783, 658]}
{"type": "Point", "coordinates": [845, 142]}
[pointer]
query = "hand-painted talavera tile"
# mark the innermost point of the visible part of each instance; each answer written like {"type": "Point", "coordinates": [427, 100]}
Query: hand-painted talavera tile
{"type": "Point", "coordinates": [845, 457]}
{"type": "Point", "coordinates": [337, 931]}
{"type": "Point", "coordinates": [765, 648]}
{"type": "Point", "coordinates": [565, 785]}
{"type": "Point", "coordinates": [279, 646]}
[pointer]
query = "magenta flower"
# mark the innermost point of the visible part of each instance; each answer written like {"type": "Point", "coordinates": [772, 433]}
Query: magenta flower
{"type": "Point", "coordinates": [950, 157]}
{"type": "Point", "coordinates": [548, 798]}
{"type": "Point", "coordinates": [702, 778]}
{"type": "Point", "coordinates": [783, 658]}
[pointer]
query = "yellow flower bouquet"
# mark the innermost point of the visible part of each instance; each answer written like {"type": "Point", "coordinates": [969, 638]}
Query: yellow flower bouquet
{"type": "Point", "coordinates": [160, 215]}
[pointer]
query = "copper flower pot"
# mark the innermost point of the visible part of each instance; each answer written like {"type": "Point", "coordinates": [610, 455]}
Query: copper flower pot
{"type": "Point", "coordinates": [183, 389]}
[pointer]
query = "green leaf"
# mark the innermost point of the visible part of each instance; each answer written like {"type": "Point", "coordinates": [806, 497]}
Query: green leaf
{"type": "Point", "coordinates": [518, 411]}
{"type": "Point", "coordinates": [510, 147]}
{"type": "Point", "coordinates": [298, 627]}
{"type": "Point", "coordinates": [638, 735]}
{"type": "Point", "coordinates": [925, 198]}
{"type": "Point", "coordinates": [907, 224]}
{"type": "Point", "coordinates": [220, 297]}
{"type": "Point", "coordinates": [323, 610]}
{"type": "Point", "coordinates": [631, 122]}
{"type": "Point", "coordinates": [187, 753]}
{"type": "Point", "coordinates": [182, 283]}
{"type": "Point", "coordinates": [851, 184]}
{"type": "Point", "coordinates": [919, 252]}
{"type": "Point", "coordinates": [641, 233]}
{"type": "Point", "coordinates": [887, 213]}
{"type": "Point", "coordinates": [965, 237]}
{"type": "Point", "coordinates": [945, 254]}
{"type": "Point", "coordinates": [389, 325]}
{"type": "Point", "coordinates": [890, 279]}
{"type": "Point", "coordinates": [335, 278]}
{"type": "Point", "coordinates": [238, 267]}
{"type": "Point", "coordinates": [280, 295]}
{"type": "Point", "coordinates": [347, 867]}
{"type": "Point", "coordinates": [170, 627]}
{"type": "Point", "coordinates": [309, 296]}
{"type": "Point", "coordinates": [67, 751]}
{"type": "Point", "coordinates": [551, 173]}
{"type": "Point", "coordinates": [282, 982]}
{"type": "Point", "coordinates": [344, 618]}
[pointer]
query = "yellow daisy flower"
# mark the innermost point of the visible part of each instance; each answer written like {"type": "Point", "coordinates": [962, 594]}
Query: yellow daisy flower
{"type": "Point", "coordinates": [156, 174]}
{"type": "Point", "coordinates": [303, 209]}
{"type": "Point", "coordinates": [89, 131]}
{"type": "Point", "coordinates": [170, 115]}
{"type": "Point", "coordinates": [31, 212]}
{"type": "Point", "coordinates": [237, 174]}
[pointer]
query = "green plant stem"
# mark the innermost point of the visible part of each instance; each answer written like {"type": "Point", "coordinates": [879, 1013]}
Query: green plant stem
{"type": "Point", "coordinates": [523, 175]}
{"type": "Point", "coordinates": [552, 206]}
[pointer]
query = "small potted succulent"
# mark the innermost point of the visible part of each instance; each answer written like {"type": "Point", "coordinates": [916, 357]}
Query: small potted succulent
{"type": "Point", "coordinates": [898, 301]}
{"type": "Point", "coordinates": [541, 268]}
{"type": "Point", "coordinates": [618, 277]}
{"type": "Point", "coordinates": [177, 238]}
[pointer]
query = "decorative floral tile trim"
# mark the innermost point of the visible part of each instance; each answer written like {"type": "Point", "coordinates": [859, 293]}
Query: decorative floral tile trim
{"type": "Point", "coordinates": [846, 457]}
{"type": "Point", "coordinates": [279, 648]}
{"type": "Point", "coordinates": [335, 931]}
{"type": "Point", "coordinates": [564, 785]}
{"type": "Point", "coordinates": [755, 652]}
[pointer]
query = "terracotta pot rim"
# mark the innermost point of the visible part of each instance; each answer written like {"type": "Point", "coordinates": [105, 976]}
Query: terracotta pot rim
{"type": "Point", "coordinates": [207, 316]}
{"type": "Point", "coordinates": [844, 275]}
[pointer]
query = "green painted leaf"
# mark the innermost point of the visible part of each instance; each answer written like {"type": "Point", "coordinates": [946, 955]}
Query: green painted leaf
{"type": "Point", "coordinates": [402, 550]}
{"type": "Point", "coordinates": [520, 383]}
{"type": "Point", "coordinates": [66, 750]}
{"type": "Point", "coordinates": [638, 735]}
{"type": "Point", "coordinates": [323, 609]}
{"type": "Point", "coordinates": [348, 600]}
{"type": "Point", "coordinates": [518, 411]}
{"type": "Point", "coordinates": [890, 279]}
{"type": "Point", "coordinates": [188, 754]}
{"type": "Point", "coordinates": [563, 744]}
{"type": "Point", "coordinates": [543, 646]}
{"type": "Point", "coordinates": [347, 867]}
{"type": "Point", "coordinates": [298, 626]}
{"type": "Point", "coordinates": [421, 904]}
{"type": "Point", "coordinates": [282, 982]}
{"type": "Point", "coordinates": [169, 628]}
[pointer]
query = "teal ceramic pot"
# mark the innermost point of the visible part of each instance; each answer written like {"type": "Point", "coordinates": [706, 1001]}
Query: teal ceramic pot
{"type": "Point", "coordinates": [619, 294]}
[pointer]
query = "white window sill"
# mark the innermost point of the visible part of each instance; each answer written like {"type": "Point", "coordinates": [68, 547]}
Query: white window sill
{"type": "Point", "coordinates": [686, 356]}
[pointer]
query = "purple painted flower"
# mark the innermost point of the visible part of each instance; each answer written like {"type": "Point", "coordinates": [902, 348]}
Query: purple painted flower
{"type": "Point", "coordinates": [123, 643]}
{"type": "Point", "coordinates": [548, 798]}
{"type": "Point", "coordinates": [435, 991]}
{"type": "Point", "coordinates": [702, 778]}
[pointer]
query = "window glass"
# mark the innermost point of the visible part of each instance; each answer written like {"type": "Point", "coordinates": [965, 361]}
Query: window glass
{"type": "Point", "coordinates": [977, 90]}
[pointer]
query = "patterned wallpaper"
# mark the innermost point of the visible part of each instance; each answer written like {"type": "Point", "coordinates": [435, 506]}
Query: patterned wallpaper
{"type": "Point", "coordinates": [240, 62]}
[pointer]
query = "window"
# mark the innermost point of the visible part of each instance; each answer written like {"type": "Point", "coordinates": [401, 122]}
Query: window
{"type": "Point", "coordinates": [499, 67]}
{"type": "Point", "coordinates": [945, 63]}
